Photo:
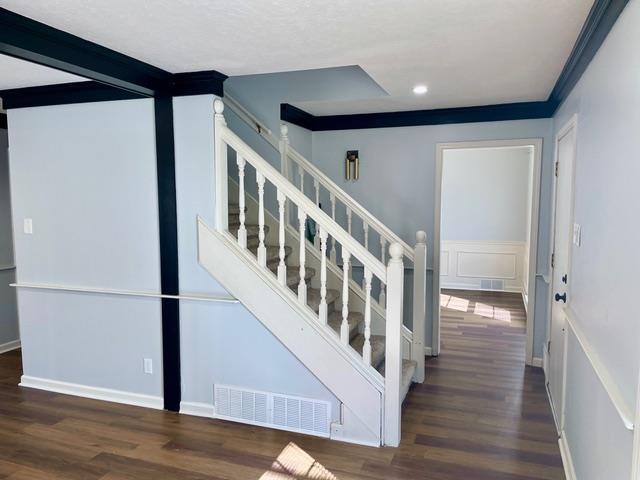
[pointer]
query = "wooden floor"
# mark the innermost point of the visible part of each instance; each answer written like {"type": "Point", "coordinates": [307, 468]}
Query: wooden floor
{"type": "Point", "coordinates": [481, 415]}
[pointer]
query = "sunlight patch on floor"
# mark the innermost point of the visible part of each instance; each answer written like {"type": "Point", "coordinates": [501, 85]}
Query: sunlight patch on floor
{"type": "Point", "coordinates": [489, 311]}
{"type": "Point", "coordinates": [454, 303]}
{"type": "Point", "coordinates": [293, 463]}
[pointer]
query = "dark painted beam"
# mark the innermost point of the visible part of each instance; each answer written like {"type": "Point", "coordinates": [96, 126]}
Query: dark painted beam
{"type": "Point", "coordinates": [488, 113]}
{"type": "Point", "coordinates": [601, 18]}
{"type": "Point", "coordinates": [62, 94]}
{"type": "Point", "coordinates": [3, 120]}
{"type": "Point", "coordinates": [168, 226]}
{"type": "Point", "coordinates": [27, 39]}
{"type": "Point", "coordinates": [198, 83]}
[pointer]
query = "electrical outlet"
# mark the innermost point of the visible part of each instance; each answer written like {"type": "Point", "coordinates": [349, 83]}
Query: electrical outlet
{"type": "Point", "coordinates": [28, 226]}
{"type": "Point", "coordinates": [148, 366]}
{"type": "Point", "coordinates": [577, 234]}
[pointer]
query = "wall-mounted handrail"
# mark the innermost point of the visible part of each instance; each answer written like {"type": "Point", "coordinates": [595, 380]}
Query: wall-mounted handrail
{"type": "Point", "coordinates": [127, 293]}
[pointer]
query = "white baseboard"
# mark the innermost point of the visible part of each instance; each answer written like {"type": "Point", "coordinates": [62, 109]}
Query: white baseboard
{"type": "Point", "coordinates": [7, 347]}
{"type": "Point", "coordinates": [197, 409]}
{"type": "Point", "coordinates": [428, 351]}
{"type": "Point", "coordinates": [567, 461]}
{"type": "Point", "coordinates": [95, 393]}
{"type": "Point", "coordinates": [536, 362]}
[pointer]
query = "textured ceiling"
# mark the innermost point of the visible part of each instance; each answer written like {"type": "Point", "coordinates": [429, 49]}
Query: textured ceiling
{"type": "Point", "coordinates": [469, 52]}
{"type": "Point", "coordinates": [16, 73]}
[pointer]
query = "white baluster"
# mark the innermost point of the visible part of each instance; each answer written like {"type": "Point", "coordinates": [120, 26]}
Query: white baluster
{"type": "Point", "coordinates": [301, 173]}
{"type": "Point", "coordinates": [332, 254]}
{"type": "Point", "coordinates": [366, 349]}
{"type": "Point", "coordinates": [302, 286]}
{"type": "Point", "coordinates": [262, 251]}
{"type": "Point", "coordinates": [285, 163]}
{"type": "Point", "coordinates": [242, 231]}
{"type": "Point", "coordinates": [221, 177]}
{"type": "Point", "coordinates": [365, 229]}
{"type": "Point", "coordinates": [349, 220]}
{"type": "Point", "coordinates": [393, 347]}
{"type": "Point", "coordinates": [344, 327]}
{"type": "Point", "coordinates": [322, 312]}
{"type": "Point", "coordinates": [383, 256]}
{"type": "Point", "coordinates": [316, 185]}
{"type": "Point", "coordinates": [282, 267]}
{"type": "Point", "coordinates": [419, 304]}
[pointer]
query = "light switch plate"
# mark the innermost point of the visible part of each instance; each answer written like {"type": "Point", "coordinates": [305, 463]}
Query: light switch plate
{"type": "Point", "coordinates": [577, 234]}
{"type": "Point", "coordinates": [148, 366]}
{"type": "Point", "coordinates": [28, 226]}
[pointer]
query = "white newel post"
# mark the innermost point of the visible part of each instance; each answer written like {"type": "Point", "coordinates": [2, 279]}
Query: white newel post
{"type": "Point", "coordinates": [220, 169]}
{"type": "Point", "coordinates": [393, 347]}
{"type": "Point", "coordinates": [419, 304]}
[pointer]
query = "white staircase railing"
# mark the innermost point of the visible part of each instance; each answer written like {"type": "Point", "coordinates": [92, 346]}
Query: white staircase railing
{"type": "Point", "coordinates": [289, 195]}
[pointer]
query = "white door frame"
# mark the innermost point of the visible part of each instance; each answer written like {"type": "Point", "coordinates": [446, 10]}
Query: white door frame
{"type": "Point", "coordinates": [572, 124]}
{"type": "Point", "coordinates": [536, 143]}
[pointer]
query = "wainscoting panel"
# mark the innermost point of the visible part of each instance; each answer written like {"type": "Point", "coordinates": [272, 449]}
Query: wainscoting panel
{"type": "Point", "coordinates": [475, 265]}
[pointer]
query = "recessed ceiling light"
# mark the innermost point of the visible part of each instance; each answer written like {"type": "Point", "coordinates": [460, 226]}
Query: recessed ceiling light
{"type": "Point", "coordinates": [420, 89]}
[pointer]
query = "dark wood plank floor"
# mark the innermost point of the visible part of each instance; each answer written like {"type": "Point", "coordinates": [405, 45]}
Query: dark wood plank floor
{"type": "Point", "coordinates": [480, 415]}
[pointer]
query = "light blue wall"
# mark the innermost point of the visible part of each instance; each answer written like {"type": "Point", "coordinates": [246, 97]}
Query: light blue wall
{"type": "Point", "coordinates": [397, 181]}
{"type": "Point", "coordinates": [220, 343]}
{"type": "Point", "coordinates": [86, 175]}
{"type": "Point", "coordinates": [485, 194]}
{"type": "Point", "coordinates": [604, 269]}
{"type": "Point", "coordinates": [8, 307]}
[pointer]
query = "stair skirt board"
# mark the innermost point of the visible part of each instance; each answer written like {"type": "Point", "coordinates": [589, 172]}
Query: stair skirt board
{"type": "Point", "coordinates": [358, 386]}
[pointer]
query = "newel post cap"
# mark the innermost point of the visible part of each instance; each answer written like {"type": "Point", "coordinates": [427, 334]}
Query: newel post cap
{"type": "Point", "coordinates": [218, 106]}
{"type": "Point", "coordinates": [396, 250]}
{"type": "Point", "coordinates": [421, 236]}
{"type": "Point", "coordinates": [284, 130]}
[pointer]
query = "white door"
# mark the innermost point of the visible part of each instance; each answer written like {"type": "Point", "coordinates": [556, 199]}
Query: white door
{"type": "Point", "coordinates": [563, 228]}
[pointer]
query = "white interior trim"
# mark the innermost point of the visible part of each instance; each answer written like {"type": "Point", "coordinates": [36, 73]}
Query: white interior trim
{"type": "Point", "coordinates": [567, 461]}
{"type": "Point", "coordinates": [624, 411]}
{"type": "Point", "coordinates": [9, 346]}
{"type": "Point", "coordinates": [96, 393]}
{"type": "Point", "coordinates": [536, 143]}
{"type": "Point", "coordinates": [197, 409]}
{"type": "Point", "coordinates": [130, 293]}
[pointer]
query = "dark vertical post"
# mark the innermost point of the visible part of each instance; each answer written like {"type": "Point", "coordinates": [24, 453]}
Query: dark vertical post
{"type": "Point", "coordinates": [168, 224]}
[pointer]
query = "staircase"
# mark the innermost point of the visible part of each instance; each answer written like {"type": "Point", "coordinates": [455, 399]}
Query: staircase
{"type": "Point", "coordinates": [355, 344]}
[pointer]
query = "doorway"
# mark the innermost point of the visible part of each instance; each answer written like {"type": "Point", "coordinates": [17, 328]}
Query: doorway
{"type": "Point", "coordinates": [486, 229]}
{"type": "Point", "coordinates": [563, 234]}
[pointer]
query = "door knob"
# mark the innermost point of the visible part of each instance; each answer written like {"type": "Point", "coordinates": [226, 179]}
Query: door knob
{"type": "Point", "coordinates": [562, 297]}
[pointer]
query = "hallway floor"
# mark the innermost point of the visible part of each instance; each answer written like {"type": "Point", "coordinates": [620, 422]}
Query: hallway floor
{"type": "Point", "coordinates": [481, 415]}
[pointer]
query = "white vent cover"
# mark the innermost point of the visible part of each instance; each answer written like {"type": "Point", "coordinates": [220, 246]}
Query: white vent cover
{"type": "Point", "coordinates": [284, 412]}
{"type": "Point", "coordinates": [492, 284]}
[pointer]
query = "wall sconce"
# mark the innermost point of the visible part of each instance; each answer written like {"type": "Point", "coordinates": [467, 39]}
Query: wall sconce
{"type": "Point", "coordinates": [352, 165]}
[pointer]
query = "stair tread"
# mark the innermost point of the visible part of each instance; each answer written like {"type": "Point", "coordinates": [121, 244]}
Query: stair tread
{"type": "Point", "coordinates": [354, 319]}
{"type": "Point", "coordinates": [273, 253]}
{"type": "Point", "coordinates": [377, 348]}
{"type": "Point", "coordinates": [408, 369]}
{"type": "Point", "coordinates": [234, 209]}
{"type": "Point", "coordinates": [252, 230]}
{"type": "Point", "coordinates": [313, 297]}
{"type": "Point", "coordinates": [293, 273]}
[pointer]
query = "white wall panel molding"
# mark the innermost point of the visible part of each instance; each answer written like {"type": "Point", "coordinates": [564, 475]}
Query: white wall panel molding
{"type": "Point", "coordinates": [475, 264]}
{"type": "Point", "coordinates": [130, 293]}
{"type": "Point", "coordinates": [622, 408]}
{"type": "Point", "coordinates": [96, 393]}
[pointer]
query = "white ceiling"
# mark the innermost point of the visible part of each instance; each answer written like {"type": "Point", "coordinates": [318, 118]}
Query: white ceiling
{"type": "Point", "coordinates": [469, 52]}
{"type": "Point", "coordinates": [16, 73]}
